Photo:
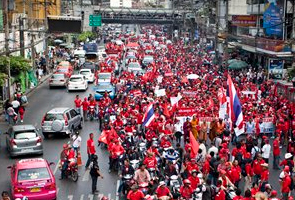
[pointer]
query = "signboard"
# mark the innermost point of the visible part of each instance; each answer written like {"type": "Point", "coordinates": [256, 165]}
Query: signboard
{"type": "Point", "coordinates": [57, 25]}
{"type": "Point", "coordinates": [189, 93]}
{"type": "Point", "coordinates": [275, 68]}
{"type": "Point", "coordinates": [244, 20]}
{"type": "Point", "coordinates": [267, 124]}
{"type": "Point", "coordinates": [94, 20]}
{"type": "Point", "coordinates": [273, 18]}
{"type": "Point", "coordinates": [186, 111]}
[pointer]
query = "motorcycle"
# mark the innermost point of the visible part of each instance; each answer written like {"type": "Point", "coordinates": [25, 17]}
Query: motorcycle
{"type": "Point", "coordinates": [91, 113]}
{"type": "Point", "coordinates": [230, 193]}
{"type": "Point", "coordinates": [127, 183]}
{"type": "Point", "coordinates": [134, 164]}
{"type": "Point", "coordinates": [72, 170]}
{"type": "Point", "coordinates": [142, 149]}
{"type": "Point", "coordinates": [144, 187]}
{"type": "Point", "coordinates": [198, 193]}
{"type": "Point", "coordinates": [153, 173]}
{"type": "Point", "coordinates": [175, 186]}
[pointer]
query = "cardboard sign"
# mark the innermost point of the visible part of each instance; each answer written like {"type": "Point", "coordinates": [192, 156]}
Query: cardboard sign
{"type": "Point", "coordinates": [189, 93]}
{"type": "Point", "coordinates": [186, 111]}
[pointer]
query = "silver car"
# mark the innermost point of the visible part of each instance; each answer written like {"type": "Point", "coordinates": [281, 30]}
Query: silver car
{"type": "Point", "coordinates": [58, 80]}
{"type": "Point", "coordinates": [23, 140]}
{"type": "Point", "coordinates": [61, 120]}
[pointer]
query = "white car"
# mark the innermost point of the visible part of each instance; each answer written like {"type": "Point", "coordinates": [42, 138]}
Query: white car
{"type": "Point", "coordinates": [89, 76]}
{"type": "Point", "coordinates": [104, 77]}
{"type": "Point", "coordinates": [77, 82]}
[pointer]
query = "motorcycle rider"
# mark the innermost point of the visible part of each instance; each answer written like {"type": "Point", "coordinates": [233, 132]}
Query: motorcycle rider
{"type": "Point", "coordinates": [126, 169]}
{"type": "Point", "coordinates": [135, 194]}
{"type": "Point", "coordinates": [163, 190]}
{"type": "Point", "coordinates": [186, 189]}
{"type": "Point", "coordinates": [194, 179]}
{"type": "Point", "coordinates": [93, 103]}
{"type": "Point", "coordinates": [150, 161]}
{"type": "Point", "coordinates": [116, 151]}
{"type": "Point", "coordinates": [142, 175]}
{"type": "Point", "coordinates": [169, 171]}
{"type": "Point", "coordinates": [66, 156]}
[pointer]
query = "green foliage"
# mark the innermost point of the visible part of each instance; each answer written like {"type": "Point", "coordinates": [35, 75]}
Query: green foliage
{"type": "Point", "coordinates": [2, 78]}
{"type": "Point", "coordinates": [291, 72]}
{"type": "Point", "coordinates": [3, 64]}
{"type": "Point", "coordinates": [17, 64]}
{"type": "Point", "coordinates": [87, 34]}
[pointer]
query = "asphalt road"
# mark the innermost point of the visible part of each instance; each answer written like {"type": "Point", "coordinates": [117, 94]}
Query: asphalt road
{"type": "Point", "coordinates": [40, 101]}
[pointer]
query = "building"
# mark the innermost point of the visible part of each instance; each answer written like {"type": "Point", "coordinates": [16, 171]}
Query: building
{"type": "Point", "coordinates": [121, 3]}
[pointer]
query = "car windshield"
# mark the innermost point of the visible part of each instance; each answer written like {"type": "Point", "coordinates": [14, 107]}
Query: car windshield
{"type": "Point", "coordinates": [64, 64]}
{"type": "Point", "coordinates": [33, 174]}
{"type": "Point", "coordinates": [62, 70]}
{"type": "Point", "coordinates": [104, 76]}
{"type": "Point", "coordinates": [84, 72]}
{"type": "Point", "coordinates": [134, 65]}
{"type": "Point", "coordinates": [27, 134]}
{"type": "Point", "coordinates": [52, 117]}
{"type": "Point", "coordinates": [75, 79]}
{"type": "Point", "coordinates": [105, 87]}
{"type": "Point", "coordinates": [58, 76]}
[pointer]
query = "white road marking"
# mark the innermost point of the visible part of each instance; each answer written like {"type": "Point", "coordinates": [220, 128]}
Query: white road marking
{"type": "Point", "coordinates": [86, 176]}
{"type": "Point", "coordinates": [57, 191]}
{"type": "Point", "coordinates": [82, 197]}
{"type": "Point", "coordinates": [90, 196]}
{"type": "Point", "coordinates": [117, 188]}
{"type": "Point", "coordinates": [70, 197]}
{"type": "Point", "coordinates": [109, 196]}
{"type": "Point", "coordinates": [100, 196]}
{"type": "Point", "coordinates": [56, 167]}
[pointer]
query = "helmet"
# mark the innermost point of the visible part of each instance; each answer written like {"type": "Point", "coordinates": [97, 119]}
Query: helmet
{"type": "Point", "coordinates": [94, 157]}
{"type": "Point", "coordinates": [65, 146]}
{"type": "Point", "coordinates": [186, 181]}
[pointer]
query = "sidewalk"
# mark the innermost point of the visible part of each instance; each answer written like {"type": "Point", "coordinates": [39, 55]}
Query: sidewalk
{"type": "Point", "coordinates": [27, 93]}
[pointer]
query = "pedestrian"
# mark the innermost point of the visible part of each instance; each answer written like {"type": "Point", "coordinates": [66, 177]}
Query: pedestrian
{"type": "Point", "coordinates": [94, 173]}
{"type": "Point", "coordinates": [6, 105]}
{"type": "Point", "coordinates": [90, 150]}
{"type": "Point", "coordinates": [276, 153]}
{"type": "Point", "coordinates": [177, 131]}
{"type": "Point", "coordinates": [78, 104]}
{"type": "Point", "coordinates": [15, 104]}
{"type": "Point", "coordinates": [76, 141]}
{"type": "Point", "coordinates": [5, 196]}
{"type": "Point", "coordinates": [286, 184]}
{"type": "Point", "coordinates": [21, 113]}
{"type": "Point", "coordinates": [12, 115]}
{"type": "Point", "coordinates": [40, 73]}
{"type": "Point", "coordinates": [85, 105]}
{"type": "Point", "coordinates": [266, 150]}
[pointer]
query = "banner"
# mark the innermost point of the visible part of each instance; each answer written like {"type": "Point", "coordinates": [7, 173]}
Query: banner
{"type": "Point", "coordinates": [186, 111]}
{"type": "Point", "coordinates": [160, 92]}
{"type": "Point", "coordinates": [273, 18]}
{"type": "Point", "coordinates": [267, 124]}
{"type": "Point", "coordinates": [244, 20]}
{"type": "Point", "coordinates": [189, 93]}
{"type": "Point", "coordinates": [275, 68]}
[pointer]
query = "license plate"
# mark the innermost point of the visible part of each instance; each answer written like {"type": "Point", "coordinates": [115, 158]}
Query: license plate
{"type": "Point", "coordinates": [35, 190]}
{"type": "Point", "coordinates": [47, 128]}
{"type": "Point", "coordinates": [27, 150]}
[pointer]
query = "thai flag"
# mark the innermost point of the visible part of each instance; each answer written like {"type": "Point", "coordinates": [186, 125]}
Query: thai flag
{"type": "Point", "coordinates": [234, 107]}
{"type": "Point", "coordinates": [108, 61]}
{"type": "Point", "coordinates": [149, 115]}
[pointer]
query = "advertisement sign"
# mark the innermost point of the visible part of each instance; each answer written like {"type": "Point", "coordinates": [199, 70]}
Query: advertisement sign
{"type": "Point", "coordinates": [244, 20]}
{"type": "Point", "coordinates": [275, 68]}
{"type": "Point", "coordinates": [273, 18]}
{"type": "Point", "coordinates": [267, 124]}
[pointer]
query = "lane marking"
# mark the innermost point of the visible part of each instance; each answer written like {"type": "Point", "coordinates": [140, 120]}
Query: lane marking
{"type": "Point", "coordinates": [57, 191]}
{"type": "Point", "coordinates": [86, 175]}
{"type": "Point", "coordinates": [56, 167]}
{"type": "Point", "coordinates": [117, 188]}
{"type": "Point", "coordinates": [82, 197]}
{"type": "Point", "coordinates": [90, 196]}
{"type": "Point", "coordinates": [109, 195]}
{"type": "Point", "coordinates": [70, 197]}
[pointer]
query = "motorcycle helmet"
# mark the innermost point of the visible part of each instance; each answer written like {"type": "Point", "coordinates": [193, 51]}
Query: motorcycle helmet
{"type": "Point", "coordinates": [94, 157]}
{"type": "Point", "coordinates": [186, 181]}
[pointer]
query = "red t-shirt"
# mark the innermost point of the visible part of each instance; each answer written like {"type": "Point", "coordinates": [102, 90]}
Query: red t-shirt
{"type": "Point", "coordinates": [90, 146]}
{"type": "Point", "coordinates": [186, 192]}
{"type": "Point", "coordinates": [220, 195]}
{"type": "Point", "coordinates": [135, 195]}
{"type": "Point", "coordinates": [276, 148]}
{"type": "Point", "coordinates": [150, 162]}
{"type": "Point", "coordinates": [78, 103]}
{"type": "Point", "coordinates": [161, 192]}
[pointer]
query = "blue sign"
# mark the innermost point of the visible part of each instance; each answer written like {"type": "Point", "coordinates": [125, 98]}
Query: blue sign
{"type": "Point", "coordinates": [196, 34]}
{"type": "Point", "coordinates": [273, 18]}
{"type": "Point", "coordinates": [276, 68]}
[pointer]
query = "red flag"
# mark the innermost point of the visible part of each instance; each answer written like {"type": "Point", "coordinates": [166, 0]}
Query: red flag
{"type": "Point", "coordinates": [103, 137]}
{"type": "Point", "coordinates": [165, 110]}
{"type": "Point", "coordinates": [184, 79]}
{"type": "Point", "coordinates": [194, 144]}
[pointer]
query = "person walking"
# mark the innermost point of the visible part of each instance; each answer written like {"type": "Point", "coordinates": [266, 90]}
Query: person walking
{"type": "Point", "coordinates": [78, 104]}
{"type": "Point", "coordinates": [266, 150]}
{"type": "Point", "coordinates": [21, 113]}
{"type": "Point", "coordinates": [76, 139]}
{"type": "Point", "coordinates": [90, 150]}
{"type": "Point", "coordinates": [11, 115]}
{"type": "Point", "coordinates": [94, 173]}
{"type": "Point", "coordinates": [85, 105]}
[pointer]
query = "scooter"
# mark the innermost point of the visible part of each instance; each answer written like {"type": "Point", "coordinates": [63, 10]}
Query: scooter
{"type": "Point", "coordinates": [175, 186]}
{"type": "Point", "coordinates": [91, 113]}
{"type": "Point", "coordinates": [72, 170]}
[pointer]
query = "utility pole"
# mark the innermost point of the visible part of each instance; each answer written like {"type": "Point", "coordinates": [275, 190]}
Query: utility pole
{"type": "Point", "coordinates": [217, 30]}
{"type": "Point", "coordinates": [46, 32]}
{"type": "Point", "coordinates": [6, 28]}
{"type": "Point", "coordinates": [226, 34]}
{"type": "Point", "coordinates": [21, 36]}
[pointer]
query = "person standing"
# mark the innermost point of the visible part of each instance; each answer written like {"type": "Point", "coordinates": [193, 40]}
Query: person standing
{"type": "Point", "coordinates": [285, 188]}
{"type": "Point", "coordinates": [276, 153]}
{"type": "Point", "coordinates": [11, 115]}
{"type": "Point", "coordinates": [78, 104]}
{"type": "Point", "coordinates": [186, 129]}
{"type": "Point", "coordinates": [76, 139]}
{"type": "Point", "coordinates": [21, 113]}
{"type": "Point", "coordinates": [94, 173]}
{"type": "Point", "coordinates": [90, 150]}
{"type": "Point", "coordinates": [266, 150]}
{"type": "Point", "coordinates": [177, 131]}
{"type": "Point", "coordinates": [85, 105]}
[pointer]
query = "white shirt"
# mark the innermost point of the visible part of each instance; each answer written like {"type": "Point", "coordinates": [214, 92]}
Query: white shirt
{"type": "Point", "coordinates": [178, 127]}
{"type": "Point", "coordinates": [266, 151]}
{"type": "Point", "coordinates": [15, 104]}
{"type": "Point", "coordinates": [76, 142]}
{"type": "Point", "coordinates": [213, 149]}
{"type": "Point", "coordinates": [250, 127]}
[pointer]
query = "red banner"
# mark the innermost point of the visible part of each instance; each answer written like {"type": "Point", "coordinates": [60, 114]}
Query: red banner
{"type": "Point", "coordinates": [186, 111]}
{"type": "Point", "coordinates": [189, 93]}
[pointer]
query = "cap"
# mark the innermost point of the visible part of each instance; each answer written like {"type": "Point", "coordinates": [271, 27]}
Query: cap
{"type": "Point", "coordinates": [162, 183]}
{"type": "Point", "coordinates": [65, 146]}
{"type": "Point", "coordinates": [286, 168]}
{"type": "Point", "coordinates": [274, 193]}
{"type": "Point", "coordinates": [288, 155]}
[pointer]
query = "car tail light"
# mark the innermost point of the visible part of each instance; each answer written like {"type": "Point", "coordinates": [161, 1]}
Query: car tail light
{"type": "Point", "coordinates": [43, 119]}
{"type": "Point", "coordinates": [66, 120]}
{"type": "Point", "coordinates": [12, 142]}
{"type": "Point", "coordinates": [50, 186]}
{"type": "Point", "coordinates": [39, 140]}
{"type": "Point", "coordinates": [18, 189]}
{"type": "Point", "coordinates": [51, 80]}
{"type": "Point", "coordinates": [62, 80]}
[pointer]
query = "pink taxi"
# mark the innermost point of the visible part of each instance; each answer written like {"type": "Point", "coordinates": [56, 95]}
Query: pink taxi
{"type": "Point", "coordinates": [34, 179]}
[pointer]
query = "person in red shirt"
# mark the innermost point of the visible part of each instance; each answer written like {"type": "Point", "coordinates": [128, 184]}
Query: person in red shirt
{"type": "Point", "coordinates": [135, 194]}
{"type": "Point", "coordinates": [78, 103]}
{"type": "Point", "coordinates": [276, 153]}
{"type": "Point", "coordinates": [238, 195]}
{"type": "Point", "coordinates": [165, 143]}
{"type": "Point", "coordinates": [116, 151]}
{"type": "Point", "coordinates": [90, 150]}
{"type": "Point", "coordinates": [192, 166]}
{"type": "Point", "coordinates": [220, 194]}
{"type": "Point", "coordinates": [150, 161]}
{"type": "Point", "coordinates": [264, 176]}
{"type": "Point", "coordinates": [236, 173]}
{"type": "Point", "coordinates": [257, 168]}
{"type": "Point", "coordinates": [163, 190]}
{"type": "Point", "coordinates": [85, 105]}
{"type": "Point", "coordinates": [285, 188]}
{"type": "Point", "coordinates": [186, 189]}
{"type": "Point", "coordinates": [194, 179]}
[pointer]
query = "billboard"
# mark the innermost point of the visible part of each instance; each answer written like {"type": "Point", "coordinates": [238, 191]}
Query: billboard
{"type": "Point", "coordinates": [244, 20]}
{"type": "Point", "coordinates": [64, 26]}
{"type": "Point", "coordinates": [275, 68]}
{"type": "Point", "coordinates": [273, 18]}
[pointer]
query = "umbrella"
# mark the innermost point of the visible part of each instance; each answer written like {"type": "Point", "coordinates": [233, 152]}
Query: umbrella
{"type": "Point", "coordinates": [192, 76]}
{"type": "Point", "coordinates": [58, 41]}
{"type": "Point", "coordinates": [237, 64]}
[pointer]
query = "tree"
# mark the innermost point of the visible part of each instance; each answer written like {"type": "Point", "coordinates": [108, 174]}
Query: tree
{"type": "Point", "coordinates": [87, 34]}
{"type": "Point", "coordinates": [3, 76]}
{"type": "Point", "coordinates": [17, 64]}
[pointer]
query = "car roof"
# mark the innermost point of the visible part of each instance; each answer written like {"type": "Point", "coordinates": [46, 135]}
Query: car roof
{"type": "Point", "coordinates": [85, 69]}
{"type": "Point", "coordinates": [31, 163]}
{"type": "Point", "coordinates": [58, 110]}
{"type": "Point", "coordinates": [77, 76]}
{"type": "Point", "coordinates": [23, 127]}
{"type": "Point", "coordinates": [105, 73]}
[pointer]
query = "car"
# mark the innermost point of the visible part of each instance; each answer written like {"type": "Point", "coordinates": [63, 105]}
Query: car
{"type": "Point", "coordinates": [89, 76]}
{"type": "Point", "coordinates": [77, 82]}
{"type": "Point", "coordinates": [58, 80]}
{"type": "Point", "coordinates": [32, 178]}
{"type": "Point", "coordinates": [61, 120]}
{"type": "Point", "coordinates": [147, 60]}
{"type": "Point", "coordinates": [23, 140]}
{"type": "Point", "coordinates": [65, 67]}
{"type": "Point", "coordinates": [101, 88]}
{"type": "Point", "coordinates": [90, 65]}
{"type": "Point", "coordinates": [135, 68]}
{"type": "Point", "coordinates": [104, 77]}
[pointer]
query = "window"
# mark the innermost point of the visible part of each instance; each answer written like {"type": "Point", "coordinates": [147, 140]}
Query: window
{"type": "Point", "coordinates": [25, 135]}
{"type": "Point", "coordinates": [73, 113]}
{"type": "Point", "coordinates": [33, 174]}
{"type": "Point", "coordinates": [52, 117]}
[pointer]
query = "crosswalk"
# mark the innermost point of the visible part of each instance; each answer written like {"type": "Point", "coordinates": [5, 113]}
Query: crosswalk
{"type": "Point", "coordinates": [87, 196]}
